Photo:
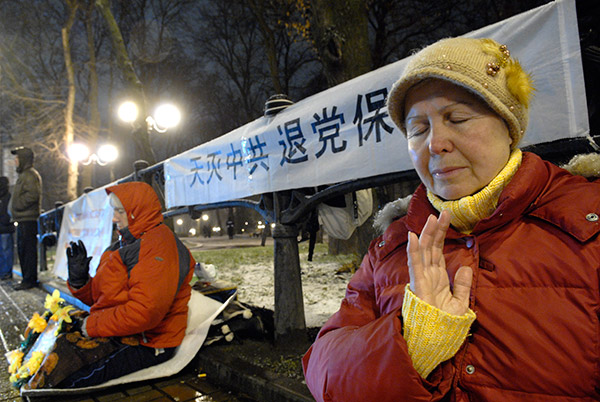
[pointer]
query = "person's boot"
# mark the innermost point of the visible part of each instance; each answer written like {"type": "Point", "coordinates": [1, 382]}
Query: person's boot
{"type": "Point", "coordinates": [24, 286]}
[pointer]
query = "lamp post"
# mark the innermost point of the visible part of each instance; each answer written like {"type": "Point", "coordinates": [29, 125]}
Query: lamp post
{"type": "Point", "coordinates": [206, 231]}
{"type": "Point", "coordinates": [179, 227]}
{"type": "Point", "coordinates": [165, 116]}
{"type": "Point", "coordinates": [79, 154]}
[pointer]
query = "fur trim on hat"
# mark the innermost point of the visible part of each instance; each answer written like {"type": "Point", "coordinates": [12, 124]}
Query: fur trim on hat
{"type": "Point", "coordinates": [586, 165]}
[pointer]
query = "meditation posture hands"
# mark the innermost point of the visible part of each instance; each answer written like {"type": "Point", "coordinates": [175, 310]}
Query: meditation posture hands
{"type": "Point", "coordinates": [427, 269]}
{"type": "Point", "coordinates": [78, 264]}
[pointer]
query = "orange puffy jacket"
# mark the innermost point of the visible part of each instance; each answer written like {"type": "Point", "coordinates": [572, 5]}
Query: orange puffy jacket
{"type": "Point", "coordinates": [142, 286]}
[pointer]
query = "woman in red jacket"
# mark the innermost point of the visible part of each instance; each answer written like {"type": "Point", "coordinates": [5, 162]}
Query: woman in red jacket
{"type": "Point", "coordinates": [488, 289]}
{"type": "Point", "coordinates": [139, 295]}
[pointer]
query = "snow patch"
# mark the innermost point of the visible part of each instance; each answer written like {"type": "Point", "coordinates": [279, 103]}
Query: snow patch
{"type": "Point", "coordinates": [323, 289]}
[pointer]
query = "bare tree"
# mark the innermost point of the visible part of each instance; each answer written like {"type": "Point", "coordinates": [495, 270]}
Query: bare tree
{"type": "Point", "coordinates": [289, 57]}
{"type": "Point", "coordinates": [32, 89]}
{"type": "Point", "coordinates": [398, 27]}
{"type": "Point", "coordinates": [339, 30]}
{"type": "Point", "coordinates": [246, 54]}
{"type": "Point", "coordinates": [92, 95]}
{"type": "Point", "coordinates": [140, 134]}
{"type": "Point", "coordinates": [72, 173]}
{"type": "Point", "coordinates": [228, 42]}
{"type": "Point", "coordinates": [158, 47]}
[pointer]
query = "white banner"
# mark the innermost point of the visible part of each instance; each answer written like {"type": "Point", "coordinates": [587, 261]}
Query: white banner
{"type": "Point", "coordinates": [89, 219]}
{"type": "Point", "coordinates": [345, 133]}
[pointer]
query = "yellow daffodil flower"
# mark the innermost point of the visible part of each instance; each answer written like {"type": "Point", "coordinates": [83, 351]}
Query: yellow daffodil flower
{"type": "Point", "coordinates": [34, 362]}
{"type": "Point", "coordinates": [62, 315]}
{"type": "Point", "coordinates": [29, 368]}
{"type": "Point", "coordinates": [37, 323]}
{"type": "Point", "coordinates": [15, 359]}
{"type": "Point", "coordinates": [53, 301]}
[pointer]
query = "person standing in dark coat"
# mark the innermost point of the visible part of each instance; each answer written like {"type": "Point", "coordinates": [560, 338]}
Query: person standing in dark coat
{"type": "Point", "coordinates": [6, 232]}
{"type": "Point", "coordinates": [25, 210]}
{"type": "Point", "coordinates": [230, 227]}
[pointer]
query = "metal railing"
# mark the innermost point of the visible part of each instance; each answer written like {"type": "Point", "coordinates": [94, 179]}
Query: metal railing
{"type": "Point", "coordinates": [287, 209]}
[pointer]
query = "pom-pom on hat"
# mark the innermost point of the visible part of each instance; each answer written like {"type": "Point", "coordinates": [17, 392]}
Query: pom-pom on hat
{"type": "Point", "coordinates": [483, 66]}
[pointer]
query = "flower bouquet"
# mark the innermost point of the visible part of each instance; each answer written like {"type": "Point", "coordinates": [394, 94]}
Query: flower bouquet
{"type": "Point", "coordinates": [40, 335]}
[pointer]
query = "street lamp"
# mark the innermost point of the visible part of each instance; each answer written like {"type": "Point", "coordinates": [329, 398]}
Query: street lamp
{"type": "Point", "coordinates": [128, 112]}
{"type": "Point", "coordinates": [166, 116]}
{"type": "Point", "coordinates": [80, 153]}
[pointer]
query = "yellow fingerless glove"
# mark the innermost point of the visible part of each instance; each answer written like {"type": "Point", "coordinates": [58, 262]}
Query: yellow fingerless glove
{"type": "Point", "coordinates": [432, 335]}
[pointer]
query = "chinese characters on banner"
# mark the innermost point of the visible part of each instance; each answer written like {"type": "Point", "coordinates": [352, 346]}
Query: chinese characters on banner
{"type": "Point", "coordinates": [345, 133]}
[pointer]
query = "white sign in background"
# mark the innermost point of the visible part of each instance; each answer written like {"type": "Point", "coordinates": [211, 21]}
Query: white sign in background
{"type": "Point", "coordinates": [345, 133]}
{"type": "Point", "coordinates": [89, 219]}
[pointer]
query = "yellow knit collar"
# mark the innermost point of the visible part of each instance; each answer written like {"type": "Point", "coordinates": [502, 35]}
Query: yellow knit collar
{"type": "Point", "coordinates": [467, 211]}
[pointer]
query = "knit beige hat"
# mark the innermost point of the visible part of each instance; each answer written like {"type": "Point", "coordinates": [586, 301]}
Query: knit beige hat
{"type": "Point", "coordinates": [482, 66]}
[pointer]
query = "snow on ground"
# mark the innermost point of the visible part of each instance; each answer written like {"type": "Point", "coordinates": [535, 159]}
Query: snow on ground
{"type": "Point", "coordinates": [322, 288]}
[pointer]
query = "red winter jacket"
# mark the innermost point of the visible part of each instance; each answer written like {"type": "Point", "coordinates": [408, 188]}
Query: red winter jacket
{"type": "Point", "coordinates": [535, 290]}
{"type": "Point", "coordinates": [141, 287]}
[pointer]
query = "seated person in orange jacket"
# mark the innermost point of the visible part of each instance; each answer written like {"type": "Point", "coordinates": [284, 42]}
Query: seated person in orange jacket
{"type": "Point", "coordinates": [140, 291]}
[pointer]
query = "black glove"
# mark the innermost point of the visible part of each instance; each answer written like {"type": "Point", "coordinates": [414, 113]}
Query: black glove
{"type": "Point", "coordinates": [78, 263]}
